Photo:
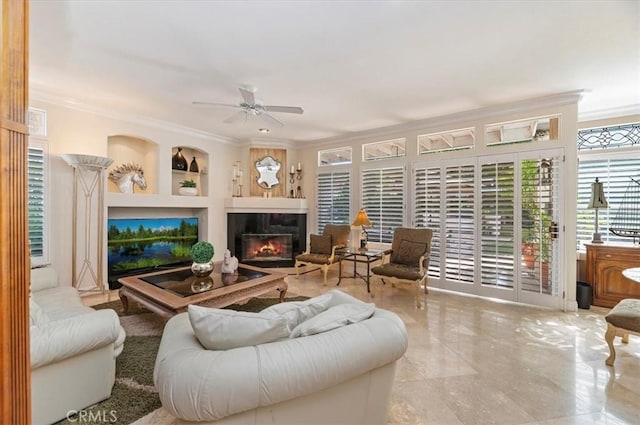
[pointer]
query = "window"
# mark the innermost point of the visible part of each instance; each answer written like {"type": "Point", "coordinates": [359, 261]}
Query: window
{"type": "Point", "coordinates": [383, 200]}
{"type": "Point", "coordinates": [384, 150]}
{"type": "Point", "coordinates": [427, 211]}
{"type": "Point", "coordinates": [37, 201]}
{"type": "Point", "coordinates": [339, 156]}
{"type": "Point", "coordinates": [614, 173]}
{"type": "Point", "coordinates": [528, 130]}
{"type": "Point", "coordinates": [600, 157]}
{"type": "Point", "coordinates": [446, 141]}
{"type": "Point", "coordinates": [333, 198]}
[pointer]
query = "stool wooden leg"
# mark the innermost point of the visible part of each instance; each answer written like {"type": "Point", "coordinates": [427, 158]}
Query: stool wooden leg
{"type": "Point", "coordinates": [625, 337]}
{"type": "Point", "coordinates": [609, 336]}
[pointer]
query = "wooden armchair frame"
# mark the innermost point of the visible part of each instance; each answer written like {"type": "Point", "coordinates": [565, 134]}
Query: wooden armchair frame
{"type": "Point", "coordinates": [415, 274]}
{"type": "Point", "coordinates": [339, 235]}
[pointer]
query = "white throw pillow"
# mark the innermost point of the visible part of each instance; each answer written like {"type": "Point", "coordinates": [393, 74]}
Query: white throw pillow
{"type": "Point", "coordinates": [296, 312]}
{"type": "Point", "coordinates": [37, 316]}
{"type": "Point", "coordinates": [335, 317]}
{"type": "Point", "coordinates": [218, 329]}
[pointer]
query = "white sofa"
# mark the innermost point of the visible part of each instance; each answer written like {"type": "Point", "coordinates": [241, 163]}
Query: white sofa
{"type": "Point", "coordinates": [341, 376]}
{"type": "Point", "coordinates": [73, 349]}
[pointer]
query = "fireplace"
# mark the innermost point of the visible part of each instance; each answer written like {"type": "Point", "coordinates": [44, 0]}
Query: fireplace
{"type": "Point", "coordinates": [266, 239]}
{"type": "Point", "coordinates": [266, 248]}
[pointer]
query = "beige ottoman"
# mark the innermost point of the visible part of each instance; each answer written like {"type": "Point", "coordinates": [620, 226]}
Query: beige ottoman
{"type": "Point", "coordinates": [622, 320]}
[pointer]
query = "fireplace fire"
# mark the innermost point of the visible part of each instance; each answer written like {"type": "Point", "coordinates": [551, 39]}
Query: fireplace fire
{"type": "Point", "coordinates": [266, 247]}
{"type": "Point", "coordinates": [266, 239]}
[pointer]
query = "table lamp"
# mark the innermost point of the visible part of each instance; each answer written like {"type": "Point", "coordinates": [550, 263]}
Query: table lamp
{"type": "Point", "coordinates": [363, 221]}
{"type": "Point", "coordinates": [597, 201]}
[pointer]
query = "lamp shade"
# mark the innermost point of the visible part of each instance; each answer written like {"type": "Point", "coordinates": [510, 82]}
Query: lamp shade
{"type": "Point", "coordinates": [597, 196]}
{"type": "Point", "coordinates": [361, 219]}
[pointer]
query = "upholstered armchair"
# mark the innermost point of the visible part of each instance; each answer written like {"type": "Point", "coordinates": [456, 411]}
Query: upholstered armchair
{"type": "Point", "coordinates": [322, 248]}
{"type": "Point", "coordinates": [408, 259]}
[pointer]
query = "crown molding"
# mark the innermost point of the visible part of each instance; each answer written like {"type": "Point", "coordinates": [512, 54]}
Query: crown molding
{"type": "Point", "coordinates": [69, 103]}
{"type": "Point", "coordinates": [271, 143]}
{"type": "Point", "coordinates": [460, 118]}
{"type": "Point", "coordinates": [600, 114]}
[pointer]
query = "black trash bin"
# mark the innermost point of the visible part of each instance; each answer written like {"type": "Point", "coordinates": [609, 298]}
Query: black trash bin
{"type": "Point", "coordinates": [584, 295]}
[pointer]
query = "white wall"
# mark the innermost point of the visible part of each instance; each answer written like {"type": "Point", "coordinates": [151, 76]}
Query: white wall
{"type": "Point", "coordinates": [71, 130]}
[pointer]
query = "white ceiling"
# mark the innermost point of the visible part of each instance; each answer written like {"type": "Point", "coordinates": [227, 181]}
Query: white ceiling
{"type": "Point", "coordinates": [352, 65]}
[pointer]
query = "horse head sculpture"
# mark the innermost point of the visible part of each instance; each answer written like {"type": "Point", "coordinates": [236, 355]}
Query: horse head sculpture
{"type": "Point", "coordinates": [125, 175]}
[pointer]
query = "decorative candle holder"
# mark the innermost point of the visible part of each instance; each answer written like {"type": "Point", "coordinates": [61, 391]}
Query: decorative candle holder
{"type": "Point", "coordinates": [296, 174]}
{"type": "Point", "coordinates": [236, 178]}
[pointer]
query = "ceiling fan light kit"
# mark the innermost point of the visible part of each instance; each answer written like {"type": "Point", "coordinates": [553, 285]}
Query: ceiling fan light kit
{"type": "Point", "coordinates": [250, 106]}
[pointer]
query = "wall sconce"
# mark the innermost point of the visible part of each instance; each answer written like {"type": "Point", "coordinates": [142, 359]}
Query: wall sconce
{"type": "Point", "coordinates": [597, 201]}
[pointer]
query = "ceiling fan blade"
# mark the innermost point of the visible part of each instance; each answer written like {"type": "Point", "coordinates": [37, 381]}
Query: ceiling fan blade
{"type": "Point", "coordinates": [248, 96]}
{"type": "Point", "coordinates": [287, 109]}
{"type": "Point", "coordinates": [268, 118]}
{"type": "Point", "coordinates": [236, 117]}
{"type": "Point", "coordinates": [215, 104]}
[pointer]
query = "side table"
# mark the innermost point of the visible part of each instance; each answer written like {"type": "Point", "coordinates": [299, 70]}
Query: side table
{"type": "Point", "coordinates": [364, 256]}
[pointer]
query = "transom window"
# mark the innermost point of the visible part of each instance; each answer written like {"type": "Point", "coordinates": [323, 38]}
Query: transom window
{"type": "Point", "coordinates": [527, 130]}
{"type": "Point", "coordinates": [446, 141]}
{"type": "Point", "coordinates": [338, 156]}
{"type": "Point", "coordinates": [384, 150]}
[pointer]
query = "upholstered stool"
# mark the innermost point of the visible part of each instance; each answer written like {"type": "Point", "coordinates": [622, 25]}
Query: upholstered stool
{"type": "Point", "coordinates": [622, 320]}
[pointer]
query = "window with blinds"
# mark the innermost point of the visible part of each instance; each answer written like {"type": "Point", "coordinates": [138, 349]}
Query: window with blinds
{"type": "Point", "coordinates": [614, 174]}
{"type": "Point", "coordinates": [459, 186]}
{"type": "Point", "coordinates": [383, 200]}
{"type": "Point", "coordinates": [36, 175]}
{"type": "Point", "coordinates": [333, 198]}
{"type": "Point", "coordinates": [426, 211]}
{"type": "Point", "coordinates": [497, 224]}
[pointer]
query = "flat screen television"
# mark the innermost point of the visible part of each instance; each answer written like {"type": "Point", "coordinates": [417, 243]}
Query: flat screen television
{"type": "Point", "coordinates": [140, 245]}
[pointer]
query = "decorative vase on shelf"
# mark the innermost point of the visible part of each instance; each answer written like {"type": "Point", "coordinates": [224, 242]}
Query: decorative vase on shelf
{"type": "Point", "coordinates": [178, 161]}
{"type": "Point", "coordinates": [188, 191]}
{"type": "Point", "coordinates": [194, 166]}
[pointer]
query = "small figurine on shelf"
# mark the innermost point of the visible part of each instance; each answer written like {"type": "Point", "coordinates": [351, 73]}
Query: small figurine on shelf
{"type": "Point", "coordinates": [194, 166]}
{"type": "Point", "coordinates": [178, 161]}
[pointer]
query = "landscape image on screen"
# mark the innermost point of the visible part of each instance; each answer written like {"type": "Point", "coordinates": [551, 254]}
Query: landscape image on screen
{"type": "Point", "coordinates": [147, 243]}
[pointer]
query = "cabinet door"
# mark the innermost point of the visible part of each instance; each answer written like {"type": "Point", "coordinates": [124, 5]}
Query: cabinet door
{"type": "Point", "coordinates": [610, 285]}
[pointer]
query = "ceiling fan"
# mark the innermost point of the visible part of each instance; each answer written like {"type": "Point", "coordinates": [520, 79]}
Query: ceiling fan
{"type": "Point", "coordinates": [249, 106]}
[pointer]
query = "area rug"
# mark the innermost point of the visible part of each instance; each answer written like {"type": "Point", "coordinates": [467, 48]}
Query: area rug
{"type": "Point", "coordinates": [133, 394]}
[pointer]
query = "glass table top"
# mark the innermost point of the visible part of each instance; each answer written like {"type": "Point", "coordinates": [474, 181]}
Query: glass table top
{"type": "Point", "coordinates": [183, 283]}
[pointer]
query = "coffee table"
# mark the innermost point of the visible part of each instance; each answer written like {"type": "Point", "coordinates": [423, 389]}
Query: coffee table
{"type": "Point", "coordinates": [169, 292]}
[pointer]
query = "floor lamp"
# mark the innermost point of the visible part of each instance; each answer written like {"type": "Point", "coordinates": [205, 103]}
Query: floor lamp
{"type": "Point", "coordinates": [597, 201]}
{"type": "Point", "coordinates": [88, 184]}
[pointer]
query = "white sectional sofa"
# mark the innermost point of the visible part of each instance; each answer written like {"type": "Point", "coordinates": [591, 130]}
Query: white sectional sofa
{"type": "Point", "coordinates": [73, 349]}
{"type": "Point", "coordinates": [339, 375]}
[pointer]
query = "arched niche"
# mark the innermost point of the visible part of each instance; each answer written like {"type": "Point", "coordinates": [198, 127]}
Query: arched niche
{"type": "Point", "coordinates": [131, 149]}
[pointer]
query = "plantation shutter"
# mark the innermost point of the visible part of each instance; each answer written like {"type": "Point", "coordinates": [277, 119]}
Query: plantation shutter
{"type": "Point", "coordinates": [614, 174]}
{"type": "Point", "coordinates": [333, 199]}
{"type": "Point", "coordinates": [459, 225]}
{"type": "Point", "coordinates": [383, 200]}
{"type": "Point", "coordinates": [497, 224]}
{"type": "Point", "coordinates": [36, 200]}
{"type": "Point", "coordinates": [427, 198]}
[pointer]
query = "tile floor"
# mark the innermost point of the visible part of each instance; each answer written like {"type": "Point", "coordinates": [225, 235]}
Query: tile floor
{"type": "Point", "coordinates": [476, 361]}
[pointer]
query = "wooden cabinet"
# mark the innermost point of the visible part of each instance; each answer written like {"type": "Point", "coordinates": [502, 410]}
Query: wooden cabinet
{"type": "Point", "coordinates": [605, 264]}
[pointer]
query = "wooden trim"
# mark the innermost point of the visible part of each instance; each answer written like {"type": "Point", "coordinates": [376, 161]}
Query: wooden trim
{"type": "Point", "coordinates": [280, 155]}
{"type": "Point", "coordinates": [15, 364]}
{"type": "Point", "coordinates": [13, 126]}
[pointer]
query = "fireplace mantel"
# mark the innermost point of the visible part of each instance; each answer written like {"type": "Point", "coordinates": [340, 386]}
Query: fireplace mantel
{"type": "Point", "coordinates": [254, 204]}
